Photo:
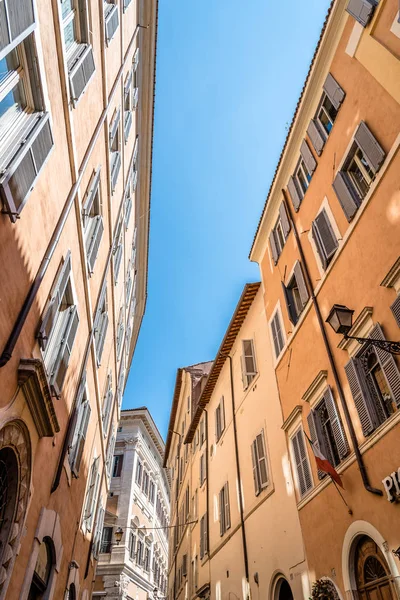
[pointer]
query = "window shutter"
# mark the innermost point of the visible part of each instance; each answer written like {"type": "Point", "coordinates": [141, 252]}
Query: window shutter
{"type": "Point", "coordinates": [308, 157]}
{"type": "Point", "coordinates": [61, 364]}
{"type": "Point", "coordinates": [347, 198]}
{"type": "Point", "coordinates": [50, 312]}
{"type": "Point", "coordinates": [221, 512]}
{"type": "Point", "coordinates": [262, 459]}
{"type": "Point", "coordinates": [312, 426]}
{"type": "Point", "coordinates": [126, 4]}
{"type": "Point", "coordinates": [298, 462]}
{"type": "Point", "coordinates": [115, 169]}
{"type": "Point", "coordinates": [114, 125]}
{"type": "Point", "coordinates": [127, 124]}
{"type": "Point", "coordinates": [274, 249]}
{"type": "Point", "coordinates": [333, 90]}
{"type": "Point", "coordinates": [277, 334]}
{"type": "Point", "coordinates": [294, 194]}
{"type": "Point", "coordinates": [388, 365]}
{"type": "Point", "coordinates": [361, 10]}
{"type": "Point", "coordinates": [289, 305]}
{"type": "Point", "coordinates": [284, 220]}
{"type": "Point", "coordinates": [19, 179]}
{"type": "Point", "coordinates": [249, 358]}
{"type": "Point", "coordinates": [136, 59]}
{"type": "Point", "coordinates": [218, 422]}
{"type": "Point", "coordinates": [91, 193]}
{"type": "Point", "coordinates": [301, 284]}
{"type": "Point", "coordinates": [99, 530]}
{"type": "Point", "coordinates": [16, 18]}
{"type": "Point", "coordinates": [117, 261]}
{"type": "Point", "coordinates": [303, 468]}
{"type": "Point", "coordinates": [324, 237]}
{"type": "Point", "coordinates": [107, 404]}
{"type": "Point", "coordinates": [227, 512]}
{"type": "Point", "coordinates": [103, 326]}
{"type": "Point", "coordinates": [222, 404]}
{"type": "Point", "coordinates": [254, 459]}
{"type": "Point", "coordinates": [112, 23]}
{"type": "Point", "coordinates": [370, 147]}
{"type": "Point", "coordinates": [91, 494]}
{"type": "Point", "coordinates": [360, 395]}
{"type": "Point", "coordinates": [336, 424]}
{"type": "Point", "coordinates": [86, 411]}
{"type": "Point", "coordinates": [94, 243]}
{"type": "Point", "coordinates": [201, 537]}
{"type": "Point", "coordinates": [316, 137]}
{"type": "Point", "coordinates": [395, 308]}
{"type": "Point", "coordinates": [80, 72]}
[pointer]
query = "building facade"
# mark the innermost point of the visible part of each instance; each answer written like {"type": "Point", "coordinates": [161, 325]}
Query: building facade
{"type": "Point", "coordinates": [329, 235]}
{"type": "Point", "coordinates": [138, 505]}
{"type": "Point", "coordinates": [238, 526]}
{"type": "Point", "coordinates": [76, 114]}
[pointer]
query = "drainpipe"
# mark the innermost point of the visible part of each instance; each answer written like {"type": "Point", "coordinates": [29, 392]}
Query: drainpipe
{"type": "Point", "coordinates": [359, 458]}
{"type": "Point", "coordinates": [241, 509]}
{"type": "Point", "coordinates": [177, 506]}
{"type": "Point", "coordinates": [207, 496]}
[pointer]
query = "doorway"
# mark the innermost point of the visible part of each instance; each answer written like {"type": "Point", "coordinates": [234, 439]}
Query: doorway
{"type": "Point", "coordinates": [373, 578]}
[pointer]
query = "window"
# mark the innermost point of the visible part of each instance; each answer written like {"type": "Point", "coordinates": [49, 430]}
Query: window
{"type": "Point", "coordinates": [115, 148]}
{"type": "Point", "coordinates": [302, 466]}
{"type": "Point", "coordinates": [296, 294]}
{"type": "Point", "coordinates": [111, 19]}
{"type": "Point", "coordinates": [117, 467]}
{"type": "Point", "coordinates": [126, 4]}
{"type": "Point", "coordinates": [133, 249]}
{"type": "Point", "coordinates": [128, 284]}
{"type": "Point", "coordinates": [120, 334]}
{"type": "Point", "coordinates": [326, 430]}
{"type": "Point", "coordinates": [203, 468]}
{"type": "Point", "coordinates": [202, 432]}
{"type": "Point", "coordinates": [128, 105]}
{"type": "Point", "coordinates": [98, 533]}
{"type": "Point", "coordinates": [374, 382]}
{"type": "Point", "coordinates": [248, 360]}
{"type": "Point", "coordinates": [57, 330]}
{"type": "Point", "coordinates": [139, 553]}
{"type": "Point", "coordinates": [187, 503]}
{"type": "Point", "coordinates": [395, 308]}
{"type": "Point", "coordinates": [43, 568]}
{"type": "Point", "coordinates": [279, 233]}
{"type": "Point", "coordinates": [353, 181]}
{"type": "Point", "coordinates": [145, 482]}
{"type": "Point", "coordinates": [259, 460]}
{"type": "Point", "coordinates": [92, 220]}
{"type": "Point", "coordinates": [118, 250]}
{"type": "Point", "coordinates": [79, 53]}
{"type": "Point", "coordinates": [321, 126]}
{"type": "Point", "coordinates": [110, 454]}
{"type": "Point", "coordinates": [361, 10]}
{"type": "Point", "coordinates": [134, 166]}
{"type": "Point", "coordinates": [139, 470]}
{"type": "Point", "coordinates": [146, 562]}
{"type": "Point", "coordinates": [81, 423]}
{"type": "Point", "coordinates": [128, 203]}
{"type": "Point", "coordinates": [25, 134]}
{"type": "Point", "coordinates": [91, 495]}
{"type": "Point", "coordinates": [188, 404]}
{"type": "Point", "coordinates": [101, 325]}
{"type": "Point", "coordinates": [224, 510]}
{"type": "Point", "coordinates": [132, 545]}
{"type": "Point", "coordinates": [121, 385]}
{"type": "Point", "coordinates": [299, 182]}
{"type": "Point", "coordinates": [107, 405]}
{"type": "Point", "coordinates": [195, 500]}
{"type": "Point", "coordinates": [203, 536]}
{"type": "Point", "coordinates": [184, 565]}
{"type": "Point", "coordinates": [152, 489]}
{"type": "Point", "coordinates": [277, 334]}
{"type": "Point", "coordinates": [106, 540]}
{"type": "Point", "coordinates": [324, 238]}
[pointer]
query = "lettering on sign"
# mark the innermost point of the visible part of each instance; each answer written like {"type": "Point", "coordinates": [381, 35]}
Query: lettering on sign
{"type": "Point", "coordinates": [391, 483]}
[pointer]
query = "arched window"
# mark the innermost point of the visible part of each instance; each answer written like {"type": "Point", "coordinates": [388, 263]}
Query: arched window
{"type": "Point", "coordinates": [41, 575]}
{"type": "Point", "coordinates": [9, 475]}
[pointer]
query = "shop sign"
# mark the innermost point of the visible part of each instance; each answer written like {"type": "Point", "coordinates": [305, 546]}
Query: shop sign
{"type": "Point", "coordinates": [391, 483]}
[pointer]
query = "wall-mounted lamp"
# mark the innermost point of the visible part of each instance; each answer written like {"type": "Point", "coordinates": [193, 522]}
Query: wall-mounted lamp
{"type": "Point", "coordinates": [340, 319]}
{"type": "Point", "coordinates": [119, 532]}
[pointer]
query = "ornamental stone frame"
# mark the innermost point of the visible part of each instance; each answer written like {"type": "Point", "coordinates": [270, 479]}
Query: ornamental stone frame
{"type": "Point", "coordinates": [15, 446]}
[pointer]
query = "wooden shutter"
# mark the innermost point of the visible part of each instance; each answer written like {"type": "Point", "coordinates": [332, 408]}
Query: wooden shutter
{"type": "Point", "coordinates": [302, 466]}
{"type": "Point", "coordinates": [98, 534]}
{"type": "Point", "coordinates": [294, 194]}
{"type": "Point", "coordinates": [91, 494]}
{"type": "Point", "coordinates": [19, 178]}
{"type": "Point", "coordinates": [395, 308]}
{"type": "Point", "coordinates": [308, 157]}
{"type": "Point", "coordinates": [51, 311]}
{"type": "Point", "coordinates": [316, 137]}
{"type": "Point", "coordinates": [336, 424]}
{"type": "Point", "coordinates": [249, 358]}
{"type": "Point", "coordinates": [333, 90]}
{"type": "Point", "coordinates": [324, 237]}
{"type": "Point", "coordinates": [136, 59]}
{"type": "Point", "coordinates": [312, 421]}
{"type": "Point", "coordinates": [277, 334]}
{"type": "Point", "coordinates": [16, 19]}
{"type": "Point", "coordinates": [107, 404]}
{"type": "Point", "coordinates": [59, 370]}
{"type": "Point", "coordinates": [94, 243]}
{"type": "Point", "coordinates": [257, 487]}
{"type": "Point", "coordinates": [361, 395]}
{"type": "Point", "coordinates": [218, 422]}
{"type": "Point", "coordinates": [361, 10]}
{"type": "Point", "coordinates": [284, 220]}
{"type": "Point", "coordinates": [289, 304]}
{"type": "Point", "coordinates": [301, 284]}
{"type": "Point", "coordinates": [370, 147]}
{"type": "Point", "coordinates": [114, 125]}
{"type": "Point", "coordinates": [227, 511]}
{"type": "Point", "coordinates": [201, 537]}
{"type": "Point", "coordinates": [103, 326]}
{"type": "Point", "coordinates": [91, 194]}
{"type": "Point", "coordinates": [388, 365]}
{"type": "Point", "coordinates": [127, 124]}
{"type": "Point", "coordinates": [262, 459]}
{"type": "Point", "coordinates": [112, 23]}
{"type": "Point", "coordinates": [222, 405]}
{"type": "Point", "coordinates": [274, 249]}
{"type": "Point", "coordinates": [348, 199]}
{"type": "Point", "coordinates": [184, 565]}
{"type": "Point", "coordinates": [80, 72]}
{"type": "Point", "coordinates": [115, 169]}
{"type": "Point", "coordinates": [221, 512]}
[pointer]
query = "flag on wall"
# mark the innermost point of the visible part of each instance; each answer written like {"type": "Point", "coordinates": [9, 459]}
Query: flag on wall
{"type": "Point", "coordinates": [324, 465]}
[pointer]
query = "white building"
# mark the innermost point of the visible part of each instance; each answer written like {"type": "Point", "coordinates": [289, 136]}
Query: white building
{"type": "Point", "coordinates": [139, 504]}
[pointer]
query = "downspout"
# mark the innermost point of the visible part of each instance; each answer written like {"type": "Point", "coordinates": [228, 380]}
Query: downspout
{"type": "Point", "coordinates": [207, 496]}
{"type": "Point", "coordinates": [241, 509]}
{"type": "Point", "coordinates": [358, 455]}
{"type": "Point", "coordinates": [176, 508]}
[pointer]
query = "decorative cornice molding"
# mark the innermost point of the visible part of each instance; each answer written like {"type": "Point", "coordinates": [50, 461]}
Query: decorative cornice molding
{"type": "Point", "coordinates": [35, 387]}
{"type": "Point", "coordinates": [312, 389]}
{"type": "Point", "coordinates": [292, 417]}
{"type": "Point", "coordinates": [392, 279]}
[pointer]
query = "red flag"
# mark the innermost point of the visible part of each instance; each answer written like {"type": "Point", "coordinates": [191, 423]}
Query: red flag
{"type": "Point", "coordinates": [324, 465]}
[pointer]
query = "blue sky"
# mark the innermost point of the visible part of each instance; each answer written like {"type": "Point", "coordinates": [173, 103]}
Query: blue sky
{"type": "Point", "coordinates": [229, 75]}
